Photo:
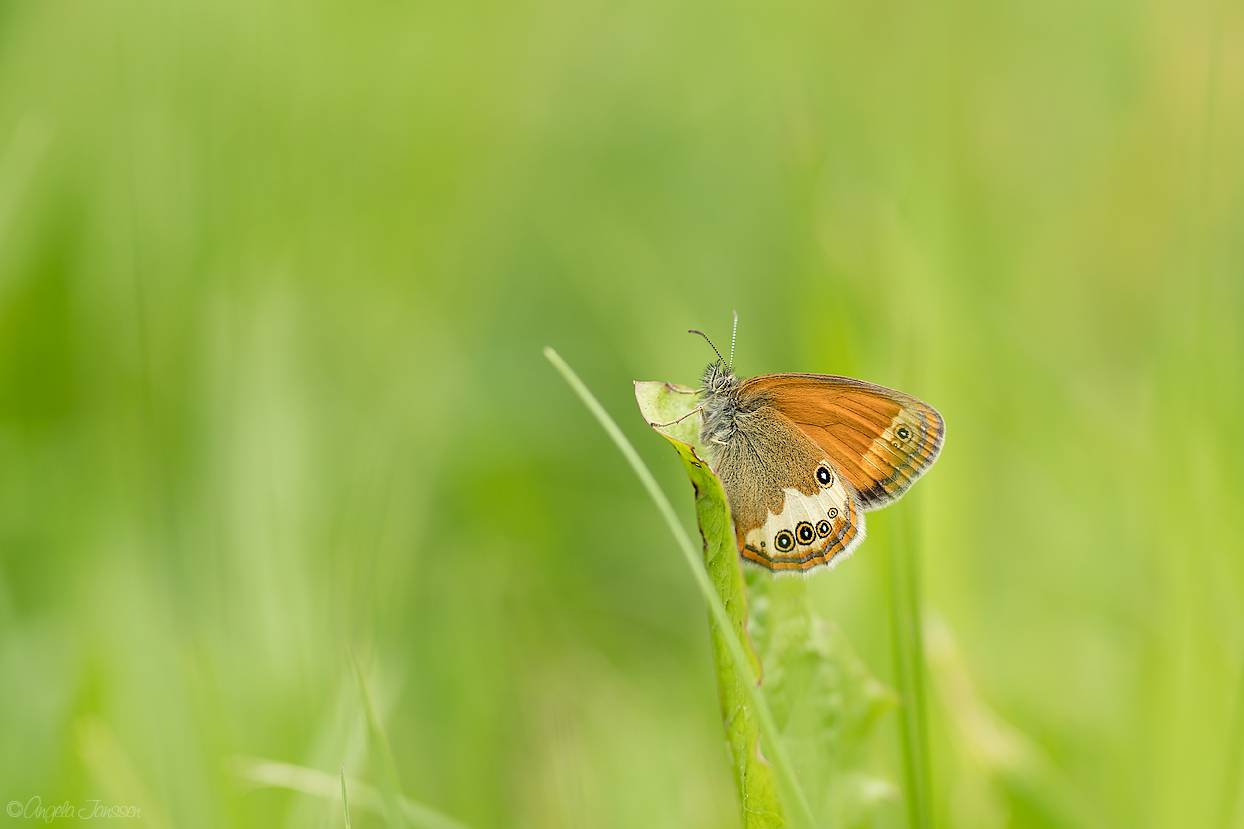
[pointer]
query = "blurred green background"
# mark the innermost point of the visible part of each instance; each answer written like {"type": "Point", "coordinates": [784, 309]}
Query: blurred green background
{"type": "Point", "coordinates": [274, 281]}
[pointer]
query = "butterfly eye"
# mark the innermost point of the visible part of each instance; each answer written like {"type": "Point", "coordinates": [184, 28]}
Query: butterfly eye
{"type": "Point", "coordinates": [822, 529]}
{"type": "Point", "coordinates": [784, 541]}
{"type": "Point", "coordinates": [805, 532]}
{"type": "Point", "coordinates": [824, 476]}
{"type": "Point", "coordinates": [904, 433]}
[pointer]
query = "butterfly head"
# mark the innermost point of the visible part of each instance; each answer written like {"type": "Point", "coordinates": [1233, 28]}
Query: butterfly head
{"type": "Point", "coordinates": [719, 378]}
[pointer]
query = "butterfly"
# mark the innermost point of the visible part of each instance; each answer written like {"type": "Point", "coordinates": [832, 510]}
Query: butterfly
{"type": "Point", "coordinates": [802, 457]}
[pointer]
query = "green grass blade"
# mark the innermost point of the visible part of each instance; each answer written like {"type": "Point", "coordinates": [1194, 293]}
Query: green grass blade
{"type": "Point", "coordinates": [345, 804]}
{"type": "Point", "coordinates": [1229, 800]}
{"type": "Point", "coordinates": [114, 771]}
{"type": "Point", "coordinates": [261, 772]}
{"type": "Point", "coordinates": [775, 750]}
{"type": "Point", "coordinates": [1009, 759]}
{"type": "Point", "coordinates": [390, 788]}
{"type": "Point", "coordinates": [909, 670]}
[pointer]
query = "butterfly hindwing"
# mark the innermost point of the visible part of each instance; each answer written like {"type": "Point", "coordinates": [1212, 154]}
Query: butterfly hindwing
{"type": "Point", "coordinates": [792, 509]}
{"type": "Point", "coordinates": [824, 528]}
{"type": "Point", "coordinates": [881, 440]}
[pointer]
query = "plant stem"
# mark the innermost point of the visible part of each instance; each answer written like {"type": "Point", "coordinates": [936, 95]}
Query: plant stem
{"type": "Point", "coordinates": [909, 670]}
{"type": "Point", "coordinates": [775, 750]}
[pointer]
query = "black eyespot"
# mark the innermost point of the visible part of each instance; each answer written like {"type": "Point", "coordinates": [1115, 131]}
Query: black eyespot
{"type": "Point", "coordinates": [824, 476]}
{"type": "Point", "coordinates": [823, 528]}
{"type": "Point", "coordinates": [904, 433]}
{"type": "Point", "coordinates": [833, 512]}
{"type": "Point", "coordinates": [784, 541]}
{"type": "Point", "coordinates": [805, 532]}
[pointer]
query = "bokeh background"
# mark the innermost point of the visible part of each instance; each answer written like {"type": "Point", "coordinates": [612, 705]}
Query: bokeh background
{"type": "Point", "coordinates": [274, 282]}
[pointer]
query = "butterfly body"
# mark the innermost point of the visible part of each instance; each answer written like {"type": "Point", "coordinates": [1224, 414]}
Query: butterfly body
{"type": "Point", "coordinates": [721, 404]}
{"type": "Point", "coordinates": [803, 456]}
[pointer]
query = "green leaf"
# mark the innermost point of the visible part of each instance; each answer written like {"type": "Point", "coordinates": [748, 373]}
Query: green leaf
{"type": "Point", "coordinates": [825, 701]}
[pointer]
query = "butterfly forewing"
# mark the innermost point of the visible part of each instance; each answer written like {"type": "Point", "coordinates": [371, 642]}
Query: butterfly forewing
{"type": "Point", "coordinates": [880, 439]}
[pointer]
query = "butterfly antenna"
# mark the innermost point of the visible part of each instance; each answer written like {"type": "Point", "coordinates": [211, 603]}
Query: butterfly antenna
{"type": "Point", "coordinates": [733, 336]}
{"type": "Point", "coordinates": [710, 342]}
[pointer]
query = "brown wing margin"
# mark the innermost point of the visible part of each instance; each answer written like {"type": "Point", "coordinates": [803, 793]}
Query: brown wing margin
{"type": "Point", "coordinates": [860, 425]}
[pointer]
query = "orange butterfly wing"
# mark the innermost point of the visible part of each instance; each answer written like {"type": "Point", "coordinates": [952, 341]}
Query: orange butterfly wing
{"type": "Point", "coordinates": [882, 440]}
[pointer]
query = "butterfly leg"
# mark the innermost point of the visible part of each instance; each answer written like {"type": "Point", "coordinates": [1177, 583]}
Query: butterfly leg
{"type": "Point", "coordinates": [676, 420]}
